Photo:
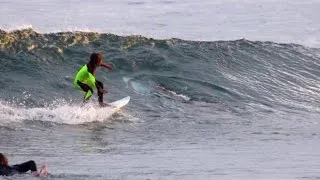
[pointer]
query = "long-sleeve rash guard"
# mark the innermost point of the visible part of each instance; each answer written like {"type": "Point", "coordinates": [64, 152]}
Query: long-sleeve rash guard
{"type": "Point", "coordinates": [85, 77]}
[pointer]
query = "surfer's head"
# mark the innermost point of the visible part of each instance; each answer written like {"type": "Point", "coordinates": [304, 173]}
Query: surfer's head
{"type": "Point", "coordinates": [3, 160]}
{"type": "Point", "coordinates": [95, 60]}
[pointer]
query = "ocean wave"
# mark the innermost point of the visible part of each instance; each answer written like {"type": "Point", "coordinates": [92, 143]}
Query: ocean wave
{"type": "Point", "coordinates": [231, 72]}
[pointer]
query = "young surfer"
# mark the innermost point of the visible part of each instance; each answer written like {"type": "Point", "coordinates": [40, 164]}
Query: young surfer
{"type": "Point", "coordinates": [85, 79]}
{"type": "Point", "coordinates": [6, 170]}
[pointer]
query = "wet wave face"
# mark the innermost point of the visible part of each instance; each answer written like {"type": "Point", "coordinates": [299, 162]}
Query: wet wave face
{"type": "Point", "coordinates": [193, 81]}
{"type": "Point", "coordinates": [236, 73]}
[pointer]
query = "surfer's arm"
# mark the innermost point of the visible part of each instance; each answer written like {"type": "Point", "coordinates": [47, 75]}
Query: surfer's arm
{"type": "Point", "coordinates": [108, 66]}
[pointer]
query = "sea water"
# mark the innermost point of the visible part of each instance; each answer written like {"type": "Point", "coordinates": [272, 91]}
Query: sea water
{"type": "Point", "coordinates": [219, 89]}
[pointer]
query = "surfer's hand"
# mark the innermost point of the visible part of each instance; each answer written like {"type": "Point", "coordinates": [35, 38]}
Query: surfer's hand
{"type": "Point", "coordinates": [108, 66]}
{"type": "Point", "coordinates": [103, 91]}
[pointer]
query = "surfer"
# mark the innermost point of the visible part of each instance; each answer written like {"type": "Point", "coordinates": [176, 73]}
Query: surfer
{"type": "Point", "coordinates": [6, 170]}
{"type": "Point", "coordinates": [85, 79]}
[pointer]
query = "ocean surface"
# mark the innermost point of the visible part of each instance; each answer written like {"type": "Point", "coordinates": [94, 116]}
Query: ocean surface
{"type": "Point", "coordinates": [219, 89]}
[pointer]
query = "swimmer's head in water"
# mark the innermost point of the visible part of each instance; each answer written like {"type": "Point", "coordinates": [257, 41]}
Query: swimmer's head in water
{"type": "Point", "coordinates": [3, 160]}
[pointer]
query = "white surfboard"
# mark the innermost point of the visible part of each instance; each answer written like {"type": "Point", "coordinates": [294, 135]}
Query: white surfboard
{"type": "Point", "coordinates": [120, 103]}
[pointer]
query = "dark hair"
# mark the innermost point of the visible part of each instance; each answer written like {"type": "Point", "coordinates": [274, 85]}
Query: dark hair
{"type": "Point", "coordinates": [94, 62]}
{"type": "Point", "coordinates": [3, 160]}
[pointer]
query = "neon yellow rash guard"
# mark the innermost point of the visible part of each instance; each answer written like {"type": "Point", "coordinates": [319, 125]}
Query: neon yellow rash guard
{"type": "Point", "coordinates": [85, 77]}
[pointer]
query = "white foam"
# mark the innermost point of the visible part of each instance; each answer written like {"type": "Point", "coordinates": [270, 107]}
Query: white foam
{"type": "Point", "coordinates": [12, 27]}
{"type": "Point", "coordinates": [60, 113]}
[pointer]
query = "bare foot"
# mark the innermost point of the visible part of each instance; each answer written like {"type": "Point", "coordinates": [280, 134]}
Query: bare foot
{"type": "Point", "coordinates": [36, 174]}
{"type": "Point", "coordinates": [103, 104]}
{"type": "Point", "coordinates": [44, 170]}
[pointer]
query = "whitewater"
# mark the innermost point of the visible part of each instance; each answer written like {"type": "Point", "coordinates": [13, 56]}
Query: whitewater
{"type": "Point", "coordinates": [219, 89]}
